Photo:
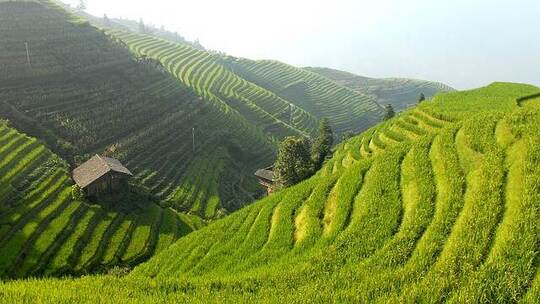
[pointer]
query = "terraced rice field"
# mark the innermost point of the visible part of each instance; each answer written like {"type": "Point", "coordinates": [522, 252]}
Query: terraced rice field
{"type": "Point", "coordinates": [426, 207]}
{"type": "Point", "coordinates": [401, 93]}
{"type": "Point", "coordinates": [347, 110]}
{"type": "Point", "coordinates": [44, 231]}
{"type": "Point", "coordinates": [85, 94]}
{"type": "Point", "coordinates": [437, 204]}
{"type": "Point", "coordinates": [206, 75]}
{"type": "Point", "coordinates": [277, 102]}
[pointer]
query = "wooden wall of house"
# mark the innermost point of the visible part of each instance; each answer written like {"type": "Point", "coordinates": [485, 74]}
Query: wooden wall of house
{"type": "Point", "coordinates": [108, 183]}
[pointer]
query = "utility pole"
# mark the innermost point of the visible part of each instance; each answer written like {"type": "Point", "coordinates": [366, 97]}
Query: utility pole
{"type": "Point", "coordinates": [193, 136]}
{"type": "Point", "coordinates": [28, 55]}
{"type": "Point", "coordinates": [290, 114]}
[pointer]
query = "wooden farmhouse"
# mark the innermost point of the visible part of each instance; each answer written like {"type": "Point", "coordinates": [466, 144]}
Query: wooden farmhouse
{"type": "Point", "coordinates": [266, 179]}
{"type": "Point", "coordinates": [101, 175]}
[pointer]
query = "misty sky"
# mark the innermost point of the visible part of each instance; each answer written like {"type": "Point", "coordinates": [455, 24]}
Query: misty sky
{"type": "Point", "coordinates": [462, 43]}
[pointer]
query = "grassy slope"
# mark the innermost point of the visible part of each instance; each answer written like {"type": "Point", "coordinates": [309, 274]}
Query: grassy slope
{"type": "Point", "coordinates": [400, 93]}
{"type": "Point", "coordinates": [86, 94]}
{"type": "Point", "coordinates": [437, 204]}
{"type": "Point", "coordinates": [44, 231]}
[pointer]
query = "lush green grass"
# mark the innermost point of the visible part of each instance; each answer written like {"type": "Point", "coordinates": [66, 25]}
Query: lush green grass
{"type": "Point", "coordinates": [44, 231]}
{"type": "Point", "coordinates": [450, 214]}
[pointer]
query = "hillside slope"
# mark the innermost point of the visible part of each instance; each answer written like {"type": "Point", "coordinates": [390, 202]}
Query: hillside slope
{"type": "Point", "coordinates": [84, 94]}
{"type": "Point", "coordinates": [437, 204]}
{"type": "Point", "coordinates": [401, 93]}
{"type": "Point", "coordinates": [321, 97]}
{"type": "Point", "coordinates": [131, 25]}
{"type": "Point", "coordinates": [44, 231]}
{"type": "Point", "coordinates": [278, 104]}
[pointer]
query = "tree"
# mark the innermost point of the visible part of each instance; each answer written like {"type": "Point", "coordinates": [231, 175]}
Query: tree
{"type": "Point", "coordinates": [106, 20]}
{"type": "Point", "coordinates": [389, 112]}
{"type": "Point", "coordinates": [421, 98]}
{"type": "Point", "coordinates": [197, 44]}
{"type": "Point", "coordinates": [81, 6]}
{"type": "Point", "coordinates": [77, 194]}
{"type": "Point", "coordinates": [293, 163]}
{"type": "Point", "coordinates": [142, 27]}
{"type": "Point", "coordinates": [322, 147]}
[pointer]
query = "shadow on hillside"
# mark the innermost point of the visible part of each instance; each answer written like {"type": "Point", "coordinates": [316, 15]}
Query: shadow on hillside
{"type": "Point", "coordinates": [130, 199]}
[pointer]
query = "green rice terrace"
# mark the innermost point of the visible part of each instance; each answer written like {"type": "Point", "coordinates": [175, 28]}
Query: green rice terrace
{"type": "Point", "coordinates": [192, 125]}
{"type": "Point", "coordinates": [321, 97]}
{"type": "Point", "coordinates": [84, 94]}
{"type": "Point", "coordinates": [166, 110]}
{"type": "Point", "coordinates": [44, 231]}
{"type": "Point", "coordinates": [437, 204]}
{"type": "Point", "coordinates": [279, 98]}
{"type": "Point", "coordinates": [401, 93]}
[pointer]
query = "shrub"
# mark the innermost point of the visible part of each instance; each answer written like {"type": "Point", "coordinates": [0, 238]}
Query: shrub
{"type": "Point", "coordinates": [389, 112]}
{"type": "Point", "coordinates": [77, 193]}
{"type": "Point", "coordinates": [118, 271]}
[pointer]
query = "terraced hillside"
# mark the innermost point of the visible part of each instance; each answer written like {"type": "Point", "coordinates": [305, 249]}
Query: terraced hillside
{"type": "Point", "coordinates": [84, 94]}
{"type": "Point", "coordinates": [279, 104]}
{"type": "Point", "coordinates": [439, 204]}
{"type": "Point", "coordinates": [44, 231]}
{"type": "Point", "coordinates": [347, 109]}
{"type": "Point", "coordinates": [401, 93]}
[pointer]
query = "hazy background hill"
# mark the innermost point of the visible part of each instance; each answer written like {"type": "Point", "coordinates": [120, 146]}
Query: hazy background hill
{"type": "Point", "coordinates": [131, 25]}
{"type": "Point", "coordinates": [465, 44]}
{"type": "Point", "coordinates": [401, 93]}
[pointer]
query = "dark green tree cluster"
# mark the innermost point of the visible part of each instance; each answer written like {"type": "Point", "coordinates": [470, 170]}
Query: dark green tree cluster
{"type": "Point", "coordinates": [77, 194]}
{"type": "Point", "coordinates": [298, 157]}
{"type": "Point", "coordinates": [293, 163]}
{"type": "Point", "coordinates": [322, 146]}
{"type": "Point", "coordinates": [388, 112]}
{"type": "Point", "coordinates": [421, 98]}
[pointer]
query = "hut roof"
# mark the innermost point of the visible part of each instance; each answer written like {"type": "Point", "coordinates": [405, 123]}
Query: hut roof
{"type": "Point", "coordinates": [96, 167]}
{"type": "Point", "coordinates": [266, 173]}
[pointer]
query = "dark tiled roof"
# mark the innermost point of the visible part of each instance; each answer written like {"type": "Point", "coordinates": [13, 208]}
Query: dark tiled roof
{"type": "Point", "coordinates": [266, 173]}
{"type": "Point", "coordinates": [96, 167]}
